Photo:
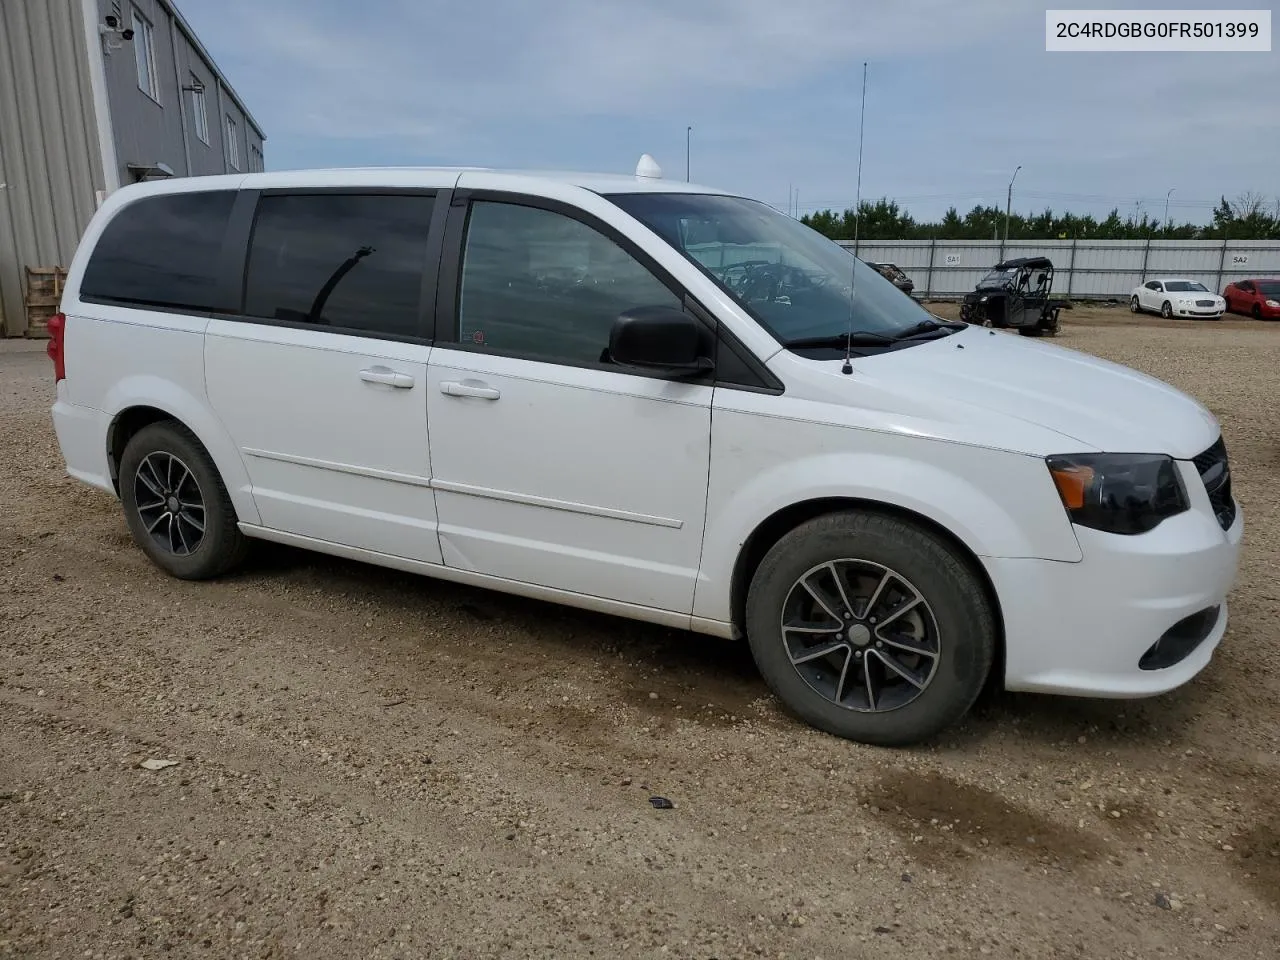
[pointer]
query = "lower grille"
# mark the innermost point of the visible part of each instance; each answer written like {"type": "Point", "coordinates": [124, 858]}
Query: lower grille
{"type": "Point", "coordinates": [1215, 473]}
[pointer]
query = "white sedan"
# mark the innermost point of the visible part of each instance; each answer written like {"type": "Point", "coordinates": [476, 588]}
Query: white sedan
{"type": "Point", "coordinates": [1177, 298]}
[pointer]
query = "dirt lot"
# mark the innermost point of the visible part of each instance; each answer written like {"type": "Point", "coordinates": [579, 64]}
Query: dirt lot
{"type": "Point", "coordinates": [375, 765]}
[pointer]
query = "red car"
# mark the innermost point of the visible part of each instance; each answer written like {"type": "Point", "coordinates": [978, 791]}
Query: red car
{"type": "Point", "coordinates": [1258, 298]}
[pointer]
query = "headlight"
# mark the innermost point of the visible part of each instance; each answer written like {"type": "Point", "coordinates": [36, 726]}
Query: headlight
{"type": "Point", "coordinates": [1273, 303]}
{"type": "Point", "coordinates": [1123, 493]}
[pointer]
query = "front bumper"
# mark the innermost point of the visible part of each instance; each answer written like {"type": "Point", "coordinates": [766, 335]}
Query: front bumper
{"type": "Point", "coordinates": [1083, 628]}
{"type": "Point", "coordinates": [1197, 312]}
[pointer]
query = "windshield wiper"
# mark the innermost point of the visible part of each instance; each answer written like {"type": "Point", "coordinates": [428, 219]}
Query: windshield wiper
{"type": "Point", "coordinates": [857, 338]}
{"type": "Point", "coordinates": [927, 326]}
{"type": "Point", "coordinates": [868, 338]}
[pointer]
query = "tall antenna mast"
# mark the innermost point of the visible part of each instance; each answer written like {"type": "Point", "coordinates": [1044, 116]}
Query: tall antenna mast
{"type": "Point", "coordinates": [857, 219]}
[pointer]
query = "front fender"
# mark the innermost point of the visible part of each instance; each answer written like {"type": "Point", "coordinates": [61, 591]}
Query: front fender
{"type": "Point", "coordinates": [148, 390]}
{"type": "Point", "coordinates": [997, 504]}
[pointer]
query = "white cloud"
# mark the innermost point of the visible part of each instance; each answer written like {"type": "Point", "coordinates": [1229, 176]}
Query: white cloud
{"type": "Point", "coordinates": [420, 70]}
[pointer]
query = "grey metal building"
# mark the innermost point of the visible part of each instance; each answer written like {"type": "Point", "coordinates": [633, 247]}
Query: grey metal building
{"type": "Point", "coordinates": [95, 94]}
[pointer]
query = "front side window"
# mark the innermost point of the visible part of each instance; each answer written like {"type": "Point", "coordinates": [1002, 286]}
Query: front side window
{"type": "Point", "coordinates": [199, 116]}
{"type": "Point", "coordinates": [799, 285]}
{"type": "Point", "coordinates": [163, 251]}
{"type": "Point", "coordinates": [540, 285]}
{"type": "Point", "coordinates": [340, 261]}
{"type": "Point", "coordinates": [144, 52]}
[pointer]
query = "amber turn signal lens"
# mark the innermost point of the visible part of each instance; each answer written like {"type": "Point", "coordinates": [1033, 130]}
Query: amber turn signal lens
{"type": "Point", "coordinates": [1072, 480]}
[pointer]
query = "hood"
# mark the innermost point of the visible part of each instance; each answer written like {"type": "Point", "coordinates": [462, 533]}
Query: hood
{"type": "Point", "coordinates": [1103, 406]}
{"type": "Point", "coordinates": [1191, 295]}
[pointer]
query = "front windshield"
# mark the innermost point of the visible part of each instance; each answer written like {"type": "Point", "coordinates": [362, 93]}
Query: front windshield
{"type": "Point", "coordinates": [998, 278]}
{"type": "Point", "coordinates": [791, 278]}
{"type": "Point", "coordinates": [1269, 287]}
{"type": "Point", "coordinates": [1185, 286]}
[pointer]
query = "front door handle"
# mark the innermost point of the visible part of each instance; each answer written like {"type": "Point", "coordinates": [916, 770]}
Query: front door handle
{"type": "Point", "coordinates": [391, 378]}
{"type": "Point", "coordinates": [469, 388]}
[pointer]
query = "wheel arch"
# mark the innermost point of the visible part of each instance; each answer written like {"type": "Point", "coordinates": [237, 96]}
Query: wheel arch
{"type": "Point", "coordinates": [783, 521]}
{"type": "Point", "coordinates": [137, 408]}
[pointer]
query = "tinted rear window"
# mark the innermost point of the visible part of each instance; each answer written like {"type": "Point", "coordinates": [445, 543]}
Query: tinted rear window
{"type": "Point", "coordinates": [163, 251]}
{"type": "Point", "coordinates": [340, 261]}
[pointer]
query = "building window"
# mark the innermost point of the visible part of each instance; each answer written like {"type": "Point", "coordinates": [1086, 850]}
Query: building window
{"type": "Point", "coordinates": [255, 159]}
{"type": "Point", "coordinates": [233, 144]}
{"type": "Point", "coordinates": [199, 117]}
{"type": "Point", "coordinates": [144, 50]}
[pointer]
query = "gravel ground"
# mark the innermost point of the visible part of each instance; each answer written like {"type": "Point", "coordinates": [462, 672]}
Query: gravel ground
{"type": "Point", "coordinates": [375, 765]}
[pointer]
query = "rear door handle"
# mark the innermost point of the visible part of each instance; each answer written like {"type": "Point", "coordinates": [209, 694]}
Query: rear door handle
{"type": "Point", "coordinates": [469, 388]}
{"type": "Point", "coordinates": [391, 378]}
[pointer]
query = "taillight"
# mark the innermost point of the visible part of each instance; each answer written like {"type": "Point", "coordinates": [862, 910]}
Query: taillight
{"type": "Point", "coordinates": [57, 328]}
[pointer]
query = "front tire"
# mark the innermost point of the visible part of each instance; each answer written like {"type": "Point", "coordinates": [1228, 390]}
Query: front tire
{"type": "Point", "coordinates": [870, 628]}
{"type": "Point", "coordinates": [1256, 312]}
{"type": "Point", "coordinates": [176, 504]}
{"type": "Point", "coordinates": [1166, 310]}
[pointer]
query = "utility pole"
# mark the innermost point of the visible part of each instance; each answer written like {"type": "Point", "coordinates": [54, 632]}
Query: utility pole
{"type": "Point", "coordinates": [688, 149]}
{"type": "Point", "coordinates": [1008, 203]}
{"type": "Point", "coordinates": [1165, 221]}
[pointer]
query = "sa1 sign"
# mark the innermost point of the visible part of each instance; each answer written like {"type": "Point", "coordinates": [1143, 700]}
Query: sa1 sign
{"type": "Point", "coordinates": [952, 259]}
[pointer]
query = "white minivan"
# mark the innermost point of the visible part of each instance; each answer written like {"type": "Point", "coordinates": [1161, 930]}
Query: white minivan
{"type": "Point", "coordinates": [651, 399]}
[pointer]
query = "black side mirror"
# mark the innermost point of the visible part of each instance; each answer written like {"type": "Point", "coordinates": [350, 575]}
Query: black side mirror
{"type": "Point", "coordinates": [659, 339]}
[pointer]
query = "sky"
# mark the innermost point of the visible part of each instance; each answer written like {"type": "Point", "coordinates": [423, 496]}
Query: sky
{"type": "Point", "coordinates": [958, 95]}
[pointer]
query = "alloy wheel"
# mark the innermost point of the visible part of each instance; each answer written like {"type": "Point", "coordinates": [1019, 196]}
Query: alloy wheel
{"type": "Point", "coordinates": [860, 635]}
{"type": "Point", "coordinates": [170, 503]}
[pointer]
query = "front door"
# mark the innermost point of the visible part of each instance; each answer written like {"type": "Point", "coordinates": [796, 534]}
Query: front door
{"type": "Point", "coordinates": [323, 383]}
{"type": "Point", "coordinates": [551, 466]}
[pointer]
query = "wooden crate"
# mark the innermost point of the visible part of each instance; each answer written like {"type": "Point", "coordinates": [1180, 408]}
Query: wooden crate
{"type": "Point", "coordinates": [44, 293]}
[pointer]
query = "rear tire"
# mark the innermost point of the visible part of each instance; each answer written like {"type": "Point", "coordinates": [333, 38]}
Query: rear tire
{"type": "Point", "coordinates": [176, 504]}
{"type": "Point", "coordinates": [891, 571]}
{"type": "Point", "coordinates": [1134, 305]}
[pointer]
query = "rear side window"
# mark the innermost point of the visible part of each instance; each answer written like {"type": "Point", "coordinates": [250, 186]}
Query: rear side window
{"type": "Point", "coordinates": [163, 251]}
{"type": "Point", "coordinates": [341, 261]}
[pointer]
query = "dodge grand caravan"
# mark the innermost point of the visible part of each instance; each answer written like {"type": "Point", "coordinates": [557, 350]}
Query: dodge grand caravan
{"type": "Point", "coordinates": [651, 399]}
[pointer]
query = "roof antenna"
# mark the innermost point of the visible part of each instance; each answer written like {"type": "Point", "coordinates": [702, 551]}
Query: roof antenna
{"type": "Point", "coordinates": [857, 217]}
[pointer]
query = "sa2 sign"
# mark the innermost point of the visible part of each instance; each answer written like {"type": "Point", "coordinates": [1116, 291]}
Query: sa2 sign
{"type": "Point", "coordinates": [1239, 259]}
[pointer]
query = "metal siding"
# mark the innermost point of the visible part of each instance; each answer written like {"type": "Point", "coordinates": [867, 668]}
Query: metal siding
{"type": "Point", "coordinates": [206, 158]}
{"type": "Point", "coordinates": [145, 131]}
{"type": "Point", "coordinates": [48, 157]}
{"type": "Point", "coordinates": [1103, 269]}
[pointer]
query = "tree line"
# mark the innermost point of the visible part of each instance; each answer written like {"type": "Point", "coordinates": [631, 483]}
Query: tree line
{"type": "Point", "coordinates": [1248, 217]}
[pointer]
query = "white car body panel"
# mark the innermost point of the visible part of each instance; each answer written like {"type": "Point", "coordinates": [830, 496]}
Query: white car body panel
{"type": "Point", "coordinates": [635, 495]}
{"type": "Point", "coordinates": [582, 480]}
{"type": "Point", "coordinates": [301, 413]}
